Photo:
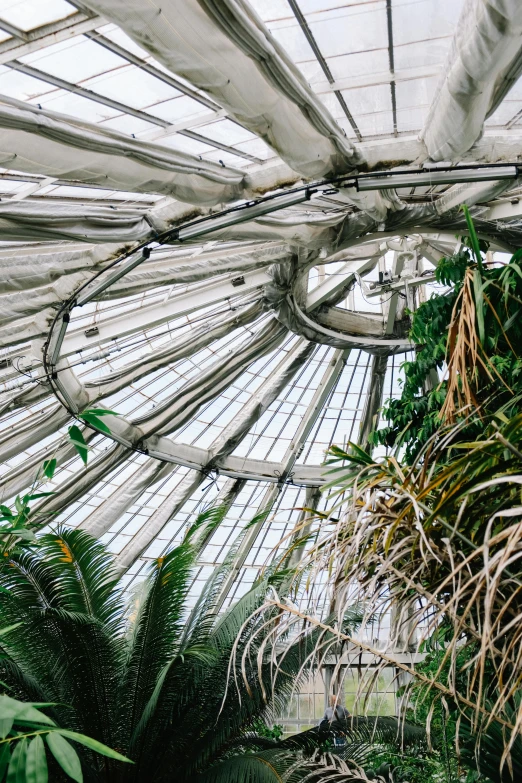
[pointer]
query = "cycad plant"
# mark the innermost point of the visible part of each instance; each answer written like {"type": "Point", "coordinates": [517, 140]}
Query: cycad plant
{"type": "Point", "coordinates": [149, 680]}
{"type": "Point", "coordinates": [382, 746]}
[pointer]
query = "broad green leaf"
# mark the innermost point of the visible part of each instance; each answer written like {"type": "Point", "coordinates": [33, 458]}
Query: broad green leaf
{"type": "Point", "coordinates": [473, 237]}
{"type": "Point", "coordinates": [37, 495]}
{"type": "Point", "coordinates": [78, 441]}
{"type": "Point", "coordinates": [101, 412]}
{"type": "Point", "coordinates": [93, 744]}
{"type": "Point", "coordinates": [18, 503]}
{"type": "Point", "coordinates": [49, 467]}
{"type": "Point", "coordinates": [6, 511]}
{"type": "Point", "coordinates": [29, 713]}
{"type": "Point", "coordinates": [517, 256]}
{"type": "Point", "coordinates": [9, 707]}
{"type": "Point", "coordinates": [6, 724]}
{"type": "Point", "coordinates": [5, 757]}
{"type": "Point", "coordinates": [27, 535]}
{"type": "Point", "coordinates": [94, 421]}
{"type": "Point", "coordinates": [22, 711]}
{"type": "Point", "coordinates": [16, 771]}
{"type": "Point", "coordinates": [36, 762]}
{"type": "Point", "coordinates": [65, 755]}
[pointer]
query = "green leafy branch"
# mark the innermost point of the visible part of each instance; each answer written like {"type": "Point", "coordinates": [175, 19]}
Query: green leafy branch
{"type": "Point", "coordinates": [495, 375]}
{"type": "Point", "coordinates": [14, 532]}
{"type": "Point", "coordinates": [93, 418]}
{"type": "Point", "coordinates": [25, 734]}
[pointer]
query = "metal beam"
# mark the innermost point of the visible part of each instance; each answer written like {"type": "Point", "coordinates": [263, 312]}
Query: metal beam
{"type": "Point", "coordinates": [391, 61]}
{"type": "Point", "coordinates": [334, 284]}
{"type": "Point", "coordinates": [227, 441]}
{"type": "Point", "coordinates": [152, 70]}
{"type": "Point", "coordinates": [376, 79]}
{"type": "Point", "coordinates": [506, 210]}
{"type": "Point", "coordinates": [373, 401]}
{"type": "Point", "coordinates": [390, 307]}
{"type": "Point", "coordinates": [48, 35]}
{"type": "Point", "coordinates": [312, 498]}
{"type": "Point", "coordinates": [303, 24]}
{"type": "Point", "coordinates": [225, 498]}
{"type": "Point", "coordinates": [323, 391]}
{"type": "Point", "coordinates": [63, 84]}
{"type": "Point", "coordinates": [16, 32]}
{"type": "Point", "coordinates": [193, 122]}
{"type": "Point", "coordinates": [32, 188]}
{"type": "Point", "coordinates": [326, 386]}
{"type": "Point", "coordinates": [153, 315]}
{"type": "Point", "coordinates": [494, 146]}
{"type": "Point", "coordinates": [398, 285]}
{"type": "Point", "coordinates": [174, 501]}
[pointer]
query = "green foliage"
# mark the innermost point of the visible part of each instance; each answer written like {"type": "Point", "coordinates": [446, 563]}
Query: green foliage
{"type": "Point", "coordinates": [15, 533]}
{"type": "Point", "coordinates": [480, 756]}
{"type": "Point", "coordinates": [381, 746]}
{"type": "Point", "coordinates": [414, 418]}
{"type": "Point", "coordinates": [79, 442]}
{"type": "Point", "coordinates": [25, 731]}
{"type": "Point", "coordinates": [262, 730]}
{"type": "Point", "coordinates": [441, 534]}
{"type": "Point", "coordinates": [150, 679]}
{"type": "Point", "coordinates": [93, 418]}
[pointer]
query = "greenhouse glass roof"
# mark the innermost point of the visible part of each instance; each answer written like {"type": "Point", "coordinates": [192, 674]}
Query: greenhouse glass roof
{"type": "Point", "coordinates": [220, 157]}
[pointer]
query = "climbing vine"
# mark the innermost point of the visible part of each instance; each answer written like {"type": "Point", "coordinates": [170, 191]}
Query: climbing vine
{"type": "Point", "coordinates": [470, 337]}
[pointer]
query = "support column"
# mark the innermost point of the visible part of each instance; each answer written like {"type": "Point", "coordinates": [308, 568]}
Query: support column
{"type": "Point", "coordinates": [225, 498]}
{"type": "Point", "coordinates": [312, 497]}
{"type": "Point", "coordinates": [373, 402]}
{"type": "Point", "coordinates": [222, 446]}
{"type": "Point", "coordinates": [326, 386]}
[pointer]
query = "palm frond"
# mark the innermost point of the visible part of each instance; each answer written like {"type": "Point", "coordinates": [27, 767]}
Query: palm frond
{"type": "Point", "coordinates": [360, 738]}
{"type": "Point", "coordinates": [485, 753]}
{"type": "Point", "coordinates": [155, 631]}
{"type": "Point", "coordinates": [83, 576]}
{"type": "Point", "coordinates": [203, 615]}
{"type": "Point", "coordinates": [202, 618]}
{"type": "Point", "coordinates": [66, 642]}
{"type": "Point", "coordinates": [204, 525]}
{"type": "Point", "coordinates": [279, 766]}
{"type": "Point", "coordinates": [380, 730]}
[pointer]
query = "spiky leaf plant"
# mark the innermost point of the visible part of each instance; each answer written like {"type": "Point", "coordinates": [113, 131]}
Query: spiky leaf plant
{"type": "Point", "coordinates": [151, 680]}
{"type": "Point", "coordinates": [360, 741]}
{"type": "Point", "coordinates": [433, 531]}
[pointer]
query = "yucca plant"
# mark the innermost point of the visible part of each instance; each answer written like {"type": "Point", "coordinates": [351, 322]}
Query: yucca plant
{"type": "Point", "coordinates": [432, 532]}
{"type": "Point", "coordinates": [150, 679]}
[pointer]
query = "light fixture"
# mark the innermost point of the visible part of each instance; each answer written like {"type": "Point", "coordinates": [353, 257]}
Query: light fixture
{"type": "Point", "coordinates": [429, 177]}
{"type": "Point", "coordinates": [98, 288]}
{"type": "Point", "coordinates": [242, 214]}
{"type": "Point", "coordinates": [55, 344]}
